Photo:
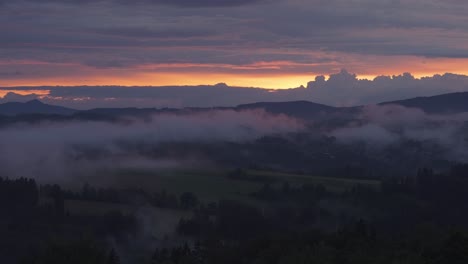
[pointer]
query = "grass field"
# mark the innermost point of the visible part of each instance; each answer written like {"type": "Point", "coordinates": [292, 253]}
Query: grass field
{"type": "Point", "coordinates": [332, 183]}
{"type": "Point", "coordinates": [208, 185]}
{"type": "Point", "coordinates": [213, 185]}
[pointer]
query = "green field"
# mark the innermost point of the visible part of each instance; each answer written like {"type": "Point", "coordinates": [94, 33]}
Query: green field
{"type": "Point", "coordinates": [208, 185]}
{"type": "Point", "coordinates": [213, 185]}
{"type": "Point", "coordinates": [332, 183]}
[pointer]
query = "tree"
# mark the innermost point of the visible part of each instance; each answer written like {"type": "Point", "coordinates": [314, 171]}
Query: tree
{"type": "Point", "coordinates": [188, 200]}
{"type": "Point", "coordinates": [113, 258]}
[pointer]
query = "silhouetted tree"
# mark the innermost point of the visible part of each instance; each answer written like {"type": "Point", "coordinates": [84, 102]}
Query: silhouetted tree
{"type": "Point", "coordinates": [113, 258]}
{"type": "Point", "coordinates": [188, 200]}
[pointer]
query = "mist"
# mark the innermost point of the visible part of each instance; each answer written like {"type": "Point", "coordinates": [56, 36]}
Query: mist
{"type": "Point", "coordinates": [59, 151]}
{"type": "Point", "coordinates": [381, 126]}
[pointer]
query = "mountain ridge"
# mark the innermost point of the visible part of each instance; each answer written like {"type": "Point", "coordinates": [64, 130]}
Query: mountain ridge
{"type": "Point", "coordinates": [449, 103]}
{"type": "Point", "coordinates": [33, 107]}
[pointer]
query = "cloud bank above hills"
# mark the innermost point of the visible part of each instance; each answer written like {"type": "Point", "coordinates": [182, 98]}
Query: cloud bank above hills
{"type": "Point", "coordinates": [340, 89]}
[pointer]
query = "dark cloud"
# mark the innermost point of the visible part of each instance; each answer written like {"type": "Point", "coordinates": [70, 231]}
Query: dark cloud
{"type": "Point", "coordinates": [206, 3]}
{"type": "Point", "coordinates": [10, 73]}
{"type": "Point", "coordinates": [317, 36]}
{"type": "Point", "coordinates": [146, 32]}
{"type": "Point", "coordinates": [178, 3]}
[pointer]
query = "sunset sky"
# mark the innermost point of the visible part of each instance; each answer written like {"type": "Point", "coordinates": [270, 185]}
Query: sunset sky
{"type": "Point", "coordinates": [250, 43]}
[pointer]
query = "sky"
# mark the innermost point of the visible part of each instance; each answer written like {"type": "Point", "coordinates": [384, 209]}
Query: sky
{"type": "Point", "coordinates": [244, 43]}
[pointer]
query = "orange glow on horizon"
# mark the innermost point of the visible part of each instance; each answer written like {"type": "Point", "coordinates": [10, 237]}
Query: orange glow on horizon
{"type": "Point", "coordinates": [270, 75]}
{"type": "Point", "coordinates": [172, 79]}
{"type": "Point", "coordinates": [187, 79]}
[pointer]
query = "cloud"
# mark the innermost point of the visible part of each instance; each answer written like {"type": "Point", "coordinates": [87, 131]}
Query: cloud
{"type": "Point", "coordinates": [14, 97]}
{"type": "Point", "coordinates": [275, 29]}
{"type": "Point", "coordinates": [340, 89]}
{"type": "Point", "coordinates": [206, 3]}
{"type": "Point", "coordinates": [146, 32]}
{"type": "Point", "coordinates": [178, 3]}
{"type": "Point", "coordinates": [57, 42]}
{"type": "Point", "coordinates": [10, 73]}
{"type": "Point", "coordinates": [346, 89]}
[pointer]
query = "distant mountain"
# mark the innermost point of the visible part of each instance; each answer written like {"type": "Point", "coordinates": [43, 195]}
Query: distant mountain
{"type": "Point", "coordinates": [33, 107]}
{"type": "Point", "coordinates": [300, 109]}
{"type": "Point", "coordinates": [439, 104]}
{"type": "Point", "coordinates": [117, 111]}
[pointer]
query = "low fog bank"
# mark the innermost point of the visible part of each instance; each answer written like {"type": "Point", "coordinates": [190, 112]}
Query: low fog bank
{"type": "Point", "coordinates": [56, 151]}
{"type": "Point", "coordinates": [384, 126]}
{"type": "Point", "coordinates": [379, 138]}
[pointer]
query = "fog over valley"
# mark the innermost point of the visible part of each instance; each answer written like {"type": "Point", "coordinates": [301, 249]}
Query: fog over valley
{"type": "Point", "coordinates": [234, 132]}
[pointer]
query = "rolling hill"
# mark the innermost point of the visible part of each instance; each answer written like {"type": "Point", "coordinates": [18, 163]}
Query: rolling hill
{"type": "Point", "coordinates": [300, 109]}
{"type": "Point", "coordinates": [439, 104]}
{"type": "Point", "coordinates": [33, 107]}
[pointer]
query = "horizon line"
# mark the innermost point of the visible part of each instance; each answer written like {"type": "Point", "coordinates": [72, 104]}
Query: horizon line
{"type": "Point", "coordinates": [312, 78]}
